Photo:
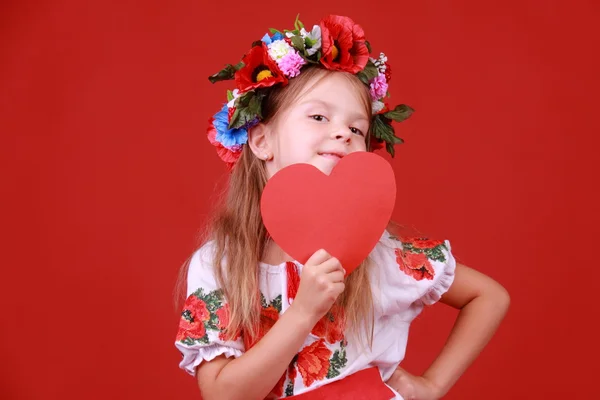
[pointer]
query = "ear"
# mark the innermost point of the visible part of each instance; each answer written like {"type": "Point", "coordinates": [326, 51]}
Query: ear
{"type": "Point", "coordinates": [258, 141]}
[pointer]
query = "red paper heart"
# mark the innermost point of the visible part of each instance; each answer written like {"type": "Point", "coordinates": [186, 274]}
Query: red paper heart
{"type": "Point", "coordinates": [344, 213]}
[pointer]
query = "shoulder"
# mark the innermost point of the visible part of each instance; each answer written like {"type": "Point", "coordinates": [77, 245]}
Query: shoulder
{"type": "Point", "coordinates": [423, 267]}
{"type": "Point", "coordinates": [201, 268]}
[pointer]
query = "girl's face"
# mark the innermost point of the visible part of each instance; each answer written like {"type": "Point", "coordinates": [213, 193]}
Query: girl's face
{"type": "Point", "coordinates": [323, 126]}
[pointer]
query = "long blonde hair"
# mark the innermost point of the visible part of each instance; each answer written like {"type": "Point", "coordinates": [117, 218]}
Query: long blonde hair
{"type": "Point", "coordinates": [240, 235]}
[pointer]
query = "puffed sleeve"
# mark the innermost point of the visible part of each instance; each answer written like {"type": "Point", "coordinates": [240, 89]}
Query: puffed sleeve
{"type": "Point", "coordinates": [414, 272]}
{"type": "Point", "coordinates": [205, 316]}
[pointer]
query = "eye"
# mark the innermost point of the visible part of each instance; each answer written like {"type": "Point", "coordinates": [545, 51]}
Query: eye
{"type": "Point", "coordinates": [318, 117]}
{"type": "Point", "coordinates": [357, 131]}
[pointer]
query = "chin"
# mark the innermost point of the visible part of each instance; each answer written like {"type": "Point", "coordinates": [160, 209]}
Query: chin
{"type": "Point", "coordinates": [326, 169]}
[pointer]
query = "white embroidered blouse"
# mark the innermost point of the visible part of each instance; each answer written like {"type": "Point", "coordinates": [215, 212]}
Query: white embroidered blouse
{"type": "Point", "coordinates": [408, 274]}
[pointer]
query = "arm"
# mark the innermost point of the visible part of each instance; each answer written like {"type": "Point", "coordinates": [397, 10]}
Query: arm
{"type": "Point", "coordinates": [257, 371]}
{"type": "Point", "coordinates": [253, 375]}
{"type": "Point", "coordinates": [482, 303]}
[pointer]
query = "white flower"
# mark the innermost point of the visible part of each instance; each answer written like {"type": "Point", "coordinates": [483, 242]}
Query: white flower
{"type": "Point", "coordinates": [377, 106]}
{"type": "Point", "coordinates": [279, 49]}
{"type": "Point", "coordinates": [380, 62]}
{"type": "Point", "coordinates": [236, 94]}
{"type": "Point", "coordinates": [312, 39]}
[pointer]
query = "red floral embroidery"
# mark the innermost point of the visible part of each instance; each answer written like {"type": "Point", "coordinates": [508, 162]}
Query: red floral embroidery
{"type": "Point", "coordinates": [197, 307]}
{"type": "Point", "coordinates": [293, 280]}
{"type": "Point", "coordinates": [277, 391]}
{"type": "Point", "coordinates": [192, 319]}
{"type": "Point", "coordinates": [194, 330]}
{"type": "Point", "coordinates": [313, 362]}
{"type": "Point", "coordinates": [223, 316]}
{"type": "Point", "coordinates": [423, 243]}
{"type": "Point", "coordinates": [268, 318]}
{"type": "Point", "coordinates": [416, 265]}
{"type": "Point", "coordinates": [331, 327]}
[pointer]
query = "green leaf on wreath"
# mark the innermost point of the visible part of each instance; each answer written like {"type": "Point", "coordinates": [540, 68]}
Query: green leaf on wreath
{"type": "Point", "coordinates": [390, 149]}
{"type": "Point", "coordinates": [245, 110]}
{"type": "Point", "coordinates": [227, 73]}
{"type": "Point", "coordinates": [310, 42]}
{"type": "Point", "coordinates": [381, 129]}
{"type": "Point", "coordinates": [298, 43]}
{"type": "Point", "coordinates": [400, 113]}
{"type": "Point", "coordinates": [297, 24]}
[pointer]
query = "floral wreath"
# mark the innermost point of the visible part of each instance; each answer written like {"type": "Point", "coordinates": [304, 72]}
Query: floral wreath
{"type": "Point", "coordinates": [336, 43]}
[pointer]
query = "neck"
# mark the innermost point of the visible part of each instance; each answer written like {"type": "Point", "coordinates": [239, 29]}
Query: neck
{"type": "Point", "coordinates": [274, 255]}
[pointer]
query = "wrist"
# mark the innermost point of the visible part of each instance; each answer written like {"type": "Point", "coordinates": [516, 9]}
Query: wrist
{"type": "Point", "coordinates": [437, 387]}
{"type": "Point", "coordinates": [305, 320]}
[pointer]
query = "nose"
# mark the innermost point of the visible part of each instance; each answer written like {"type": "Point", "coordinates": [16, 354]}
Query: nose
{"type": "Point", "coordinates": [342, 134]}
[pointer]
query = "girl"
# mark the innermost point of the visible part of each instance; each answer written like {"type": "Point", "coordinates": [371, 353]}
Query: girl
{"type": "Point", "coordinates": [256, 323]}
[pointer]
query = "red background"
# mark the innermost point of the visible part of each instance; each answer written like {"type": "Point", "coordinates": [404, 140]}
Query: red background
{"type": "Point", "coordinates": [107, 173]}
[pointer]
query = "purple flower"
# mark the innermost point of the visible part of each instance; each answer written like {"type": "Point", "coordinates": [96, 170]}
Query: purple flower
{"type": "Point", "coordinates": [378, 87]}
{"type": "Point", "coordinates": [291, 63]}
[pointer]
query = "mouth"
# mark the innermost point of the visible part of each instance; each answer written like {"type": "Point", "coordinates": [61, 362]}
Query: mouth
{"type": "Point", "coordinates": [332, 154]}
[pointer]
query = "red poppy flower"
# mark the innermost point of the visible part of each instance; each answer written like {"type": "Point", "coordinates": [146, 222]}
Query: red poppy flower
{"type": "Point", "coordinates": [194, 330]}
{"type": "Point", "coordinates": [230, 157]}
{"type": "Point", "coordinates": [223, 315]}
{"type": "Point", "coordinates": [313, 362]}
{"type": "Point", "coordinates": [343, 44]}
{"type": "Point", "coordinates": [423, 243]}
{"type": "Point", "coordinates": [416, 265]}
{"type": "Point", "coordinates": [259, 70]}
{"type": "Point", "coordinates": [277, 391]}
{"type": "Point", "coordinates": [331, 326]}
{"type": "Point", "coordinates": [268, 318]}
{"type": "Point", "coordinates": [197, 308]}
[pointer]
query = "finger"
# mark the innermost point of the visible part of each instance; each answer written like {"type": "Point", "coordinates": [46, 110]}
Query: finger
{"type": "Point", "coordinates": [331, 265]}
{"type": "Point", "coordinates": [336, 276]}
{"type": "Point", "coordinates": [319, 257]}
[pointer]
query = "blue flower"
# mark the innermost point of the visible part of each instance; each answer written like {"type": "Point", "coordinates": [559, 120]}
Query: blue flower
{"type": "Point", "coordinates": [228, 137]}
{"type": "Point", "coordinates": [269, 39]}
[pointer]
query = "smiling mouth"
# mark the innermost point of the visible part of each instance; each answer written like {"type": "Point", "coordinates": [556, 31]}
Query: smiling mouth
{"type": "Point", "coordinates": [335, 156]}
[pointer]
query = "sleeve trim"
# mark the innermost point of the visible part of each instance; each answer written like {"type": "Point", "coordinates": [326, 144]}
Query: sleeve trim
{"type": "Point", "coordinates": [194, 355]}
{"type": "Point", "coordinates": [444, 282]}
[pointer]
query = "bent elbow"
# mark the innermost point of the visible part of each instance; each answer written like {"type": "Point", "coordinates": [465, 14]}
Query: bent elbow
{"type": "Point", "coordinates": [502, 299]}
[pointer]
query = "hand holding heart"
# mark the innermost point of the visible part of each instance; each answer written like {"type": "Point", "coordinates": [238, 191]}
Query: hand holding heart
{"type": "Point", "coordinates": [321, 283]}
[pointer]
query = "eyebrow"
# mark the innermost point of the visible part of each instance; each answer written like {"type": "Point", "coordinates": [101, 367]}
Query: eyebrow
{"type": "Point", "coordinates": [355, 116]}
